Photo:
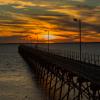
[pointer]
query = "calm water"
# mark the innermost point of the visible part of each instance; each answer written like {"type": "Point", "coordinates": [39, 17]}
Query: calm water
{"type": "Point", "coordinates": [16, 81]}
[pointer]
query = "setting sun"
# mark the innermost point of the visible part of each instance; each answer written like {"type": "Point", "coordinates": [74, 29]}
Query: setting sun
{"type": "Point", "coordinates": [50, 37]}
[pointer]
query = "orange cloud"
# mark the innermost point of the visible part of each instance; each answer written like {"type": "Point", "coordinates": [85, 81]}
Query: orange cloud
{"type": "Point", "coordinates": [28, 22]}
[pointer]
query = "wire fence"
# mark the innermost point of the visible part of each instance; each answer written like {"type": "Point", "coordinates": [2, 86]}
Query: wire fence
{"type": "Point", "coordinates": [86, 57]}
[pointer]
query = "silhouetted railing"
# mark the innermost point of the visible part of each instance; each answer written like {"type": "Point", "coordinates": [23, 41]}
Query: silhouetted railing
{"type": "Point", "coordinates": [75, 55]}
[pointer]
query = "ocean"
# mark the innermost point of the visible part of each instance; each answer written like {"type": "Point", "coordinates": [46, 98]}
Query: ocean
{"type": "Point", "coordinates": [16, 80]}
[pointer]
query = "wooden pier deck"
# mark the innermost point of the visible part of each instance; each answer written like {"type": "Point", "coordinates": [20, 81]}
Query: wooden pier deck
{"type": "Point", "coordinates": [87, 72]}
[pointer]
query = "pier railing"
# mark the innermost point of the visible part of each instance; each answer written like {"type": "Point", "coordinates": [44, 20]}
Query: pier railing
{"type": "Point", "coordinates": [59, 78]}
{"type": "Point", "coordinates": [90, 58]}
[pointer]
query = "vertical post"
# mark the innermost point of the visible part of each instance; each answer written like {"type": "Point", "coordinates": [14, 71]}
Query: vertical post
{"type": "Point", "coordinates": [37, 40]}
{"type": "Point", "coordinates": [48, 41]}
{"type": "Point", "coordinates": [80, 41]}
{"type": "Point", "coordinates": [31, 41]}
{"type": "Point", "coordinates": [80, 26]}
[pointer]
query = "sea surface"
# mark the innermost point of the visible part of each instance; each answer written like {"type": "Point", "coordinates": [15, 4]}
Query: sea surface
{"type": "Point", "coordinates": [16, 81]}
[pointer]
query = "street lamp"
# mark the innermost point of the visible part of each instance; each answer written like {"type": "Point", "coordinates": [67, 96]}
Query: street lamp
{"type": "Point", "coordinates": [31, 41]}
{"type": "Point", "coordinates": [80, 31]}
{"type": "Point", "coordinates": [36, 43]}
{"type": "Point", "coordinates": [37, 40]}
{"type": "Point", "coordinates": [48, 40]}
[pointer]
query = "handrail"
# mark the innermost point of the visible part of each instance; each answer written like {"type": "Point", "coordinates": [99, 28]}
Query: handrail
{"type": "Point", "coordinates": [90, 58]}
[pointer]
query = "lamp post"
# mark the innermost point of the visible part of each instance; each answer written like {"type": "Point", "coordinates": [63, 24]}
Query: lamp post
{"type": "Point", "coordinates": [80, 31]}
{"type": "Point", "coordinates": [37, 40]}
{"type": "Point", "coordinates": [36, 43]}
{"type": "Point", "coordinates": [30, 41]}
{"type": "Point", "coordinates": [48, 39]}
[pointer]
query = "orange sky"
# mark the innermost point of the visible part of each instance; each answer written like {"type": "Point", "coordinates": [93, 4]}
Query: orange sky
{"type": "Point", "coordinates": [22, 20]}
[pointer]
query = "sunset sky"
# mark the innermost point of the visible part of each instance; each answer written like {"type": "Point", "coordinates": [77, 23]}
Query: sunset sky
{"type": "Point", "coordinates": [22, 21]}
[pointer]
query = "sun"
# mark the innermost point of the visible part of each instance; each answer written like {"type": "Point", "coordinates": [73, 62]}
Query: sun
{"type": "Point", "coordinates": [50, 37]}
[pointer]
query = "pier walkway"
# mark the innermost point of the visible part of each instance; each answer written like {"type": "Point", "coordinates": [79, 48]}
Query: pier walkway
{"type": "Point", "coordinates": [73, 79]}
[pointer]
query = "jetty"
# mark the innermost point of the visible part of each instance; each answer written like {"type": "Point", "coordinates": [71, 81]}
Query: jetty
{"type": "Point", "coordinates": [63, 78]}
